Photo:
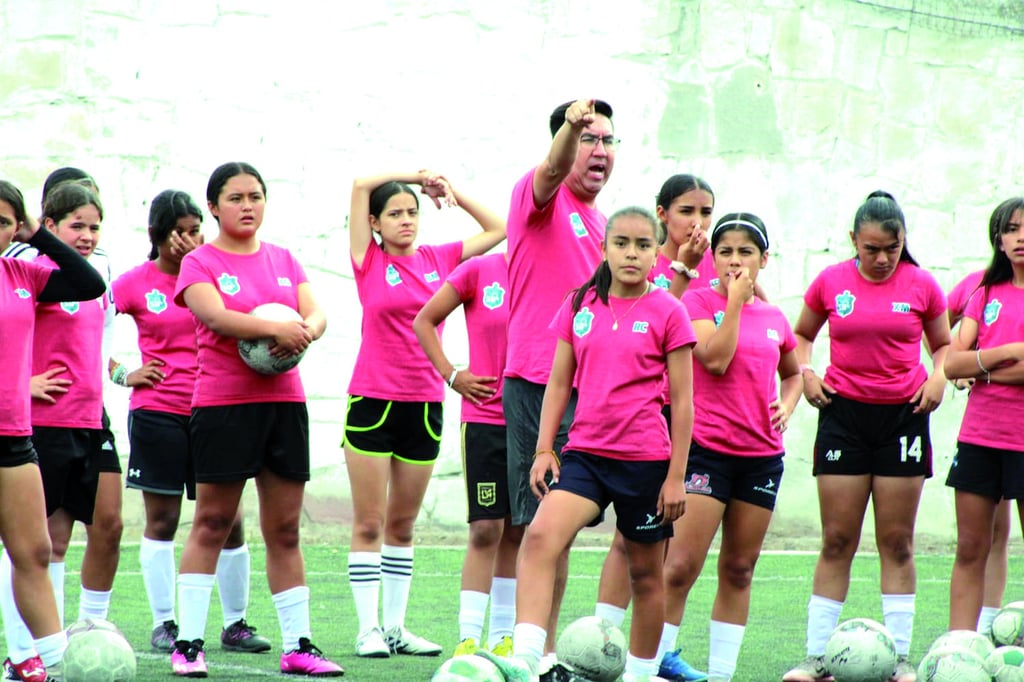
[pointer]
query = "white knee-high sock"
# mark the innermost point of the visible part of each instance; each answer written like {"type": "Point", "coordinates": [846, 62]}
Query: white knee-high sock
{"type": "Point", "coordinates": [364, 580]}
{"type": "Point", "coordinates": [669, 633]}
{"type": "Point", "coordinates": [56, 571]}
{"type": "Point", "coordinates": [985, 618]}
{"type": "Point", "coordinates": [472, 611]}
{"type": "Point", "coordinates": [503, 610]}
{"type": "Point", "coordinates": [726, 639]}
{"type": "Point", "coordinates": [51, 648]}
{"type": "Point", "coordinates": [93, 604]}
{"type": "Point", "coordinates": [822, 618]}
{"type": "Point", "coordinates": [528, 642]}
{"type": "Point", "coordinates": [20, 646]}
{"type": "Point", "coordinates": [293, 614]}
{"type": "Point", "coordinates": [194, 590]}
{"type": "Point", "coordinates": [156, 557]}
{"type": "Point", "coordinates": [610, 612]}
{"type": "Point", "coordinates": [898, 612]}
{"type": "Point", "coordinates": [396, 580]}
{"type": "Point", "coordinates": [233, 571]}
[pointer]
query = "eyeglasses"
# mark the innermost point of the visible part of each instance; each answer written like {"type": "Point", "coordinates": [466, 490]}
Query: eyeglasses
{"type": "Point", "coordinates": [609, 141]}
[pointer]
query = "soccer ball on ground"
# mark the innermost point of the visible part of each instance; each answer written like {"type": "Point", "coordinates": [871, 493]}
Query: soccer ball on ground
{"type": "Point", "coordinates": [98, 654]}
{"type": "Point", "coordinates": [92, 624]}
{"type": "Point", "coordinates": [1008, 626]}
{"type": "Point", "coordinates": [952, 664]}
{"type": "Point", "coordinates": [966, 639]}
{"type": "Point", "coordinates": [1006, 664]}
{"type": "Point", "coordinates": [860, 650]}
{"type": "Point", "coordinates": [469, 668]}
{"type": "Point", "coordinates": [256, 353]}
{"type": "Point", "coordinates": [594, 647]}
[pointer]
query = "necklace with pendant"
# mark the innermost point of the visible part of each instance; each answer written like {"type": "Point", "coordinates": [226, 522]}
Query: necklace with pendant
{"type": "Point", "coordinates": [615, 324]}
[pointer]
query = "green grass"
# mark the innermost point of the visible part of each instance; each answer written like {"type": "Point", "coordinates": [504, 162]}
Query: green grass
{"type": "Point", "coordinates": [774, 639]}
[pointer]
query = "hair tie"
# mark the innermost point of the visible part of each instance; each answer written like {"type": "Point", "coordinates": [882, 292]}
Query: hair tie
{"type": "Point", "coordinates": [743, 223]}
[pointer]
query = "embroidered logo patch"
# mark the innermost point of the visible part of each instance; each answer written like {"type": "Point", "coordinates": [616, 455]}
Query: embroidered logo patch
{"type": "Point", "coordinates": [228, 284]}
{"type": "Point", "coordinates": [640, 327]}
{"type": "Point", "coordinates": [22, 293]}
{"type": "Point", "coordinates": [992, 309]}
{"type": "Point", "coordinates": [699, 483]}
{"type": "Point", "coordinates": [391, 276]}
{"type": "Point", "coordinates": [432, 276]}
{"type": "Point", "coordinates": [284, 282]}
{"type": "Point", "coordinates": [772, 334]}
{"type": "Point", "coordinates": [493, 296]}
{"type": "Point", "coordinates": [844, 303]}
{"type": "Point", "coordinates": [719, 316]}
{"type": "Point", "coordinates": [486, 494]}
{"type": "Point", "coordinates": [156, 301]}
{"type": "Point", "coordinates": [662, 281]}
{"type": "Point", "coordinates": [70, 307]}
{"type": "Point", "coordinates": [578, 228]}
{"type": "Point", "coordinates": [899, 307]}
{"type": "Point", "coordinates": [582, 321]}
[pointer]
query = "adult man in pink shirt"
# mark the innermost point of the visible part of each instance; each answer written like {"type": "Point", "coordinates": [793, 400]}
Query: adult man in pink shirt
{"type": "Point", "coordinates": [554, 245]}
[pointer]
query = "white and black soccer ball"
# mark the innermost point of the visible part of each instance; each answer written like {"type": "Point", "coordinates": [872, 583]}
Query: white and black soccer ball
{"type": "Point", "coordinates": [860, 650]}
{"type": "Point", "coordinates": [594, 647]}
{"type": "Point", "coordinates": [952, 664]}
{"type": "Point", "coordinates": [256, 353]}
{"type": "Point", "coordinates": [97, 652]}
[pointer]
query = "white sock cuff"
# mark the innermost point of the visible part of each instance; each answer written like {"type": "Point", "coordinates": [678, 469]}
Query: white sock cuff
{"type": "Point", "coordinates": [728, 632]}
{"type": "Point", "coordinates": [149, 545]}
{"type": "Point", "coordinates": [826, 603]}
{"type": "Point", "coordinates": [898, 603]}
{"type": "Point", "coordinates": [363, 559]}
{"type": "Point", "coordinates": [291, 596]}
{"type": "Point", "coordinates": [396, 551]}
{"type": "Point", "coordinates": [610, 612]}
{"type": "Point", "coordinates": [196, 580]}
{"type": "Point", "coordinates": [235, 551]}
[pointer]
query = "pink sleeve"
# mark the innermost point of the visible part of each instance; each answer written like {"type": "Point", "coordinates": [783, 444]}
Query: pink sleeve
{"type": "Point", "coordinates": [561, 325]}
{"type": "Point", "coordinates": [788, 337]}
{"type": "Point", "coordinates": [192, 272]}
{"type": "Point", "coordinates": [678, 330]}
{"type": "Point", "coordinates": [697, 305]}
{"type": "Point", "coordinates": [813, 296]}
{"type": "Point", "coordinates": [464, 279]}
{"type": "Point", "coordinates": [936, 297]}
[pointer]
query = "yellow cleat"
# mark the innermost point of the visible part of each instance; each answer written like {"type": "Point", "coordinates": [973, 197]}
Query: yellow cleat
{"type": "Point", "coordinates": [503, 648]}
{"type": "Point", "coordinates": [466, 647]}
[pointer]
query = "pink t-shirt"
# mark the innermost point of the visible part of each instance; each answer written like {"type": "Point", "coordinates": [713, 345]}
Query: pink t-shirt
{"type": "Point", "coordinates": [991, 419]}
{"type": "Point", "coordinates": [552, 250]}
{"type": "Point", "coordinates": [20, 284]}
{"type": "Point", "coordinates": [244, 281]}
{"type": "Point", "coordinates": [731, 413]}
{"type": "Point", "coordinates": [962, 292]}
{"type": "Point", "coordinates": [166, 333]}
{"type": "Point", "coordinates": [391, 364]}
{"type": "Point", "coordinates": [662, 275]}
{"type": "Point", "coordinates": [620, 372]}
{"type": "Point", "coordinates": [70, 335]}
{"type": "Point", "coordinates": [875, 329]}
{"type": "Point", "coordinates": [482, 286]}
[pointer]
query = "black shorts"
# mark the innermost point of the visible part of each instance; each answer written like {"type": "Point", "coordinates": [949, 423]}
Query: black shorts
{"type": "Point", "coordinates": [160, 460]}
{"type": "Point", "coordinates": [755, 480]}
{"type": "Point", "coordinates": [631, 487]}
{"type": "Point", "coordinates": [68, 462]}
{"type": "Point", "coordinates": [236, 442]}
{"type": "Point", "coordinates": [856, 438]}
{"type": "Point", "coordinates": [408, 431]}
{"type": "Point", "coordinates": [16, 450]}
{"type": "Point", "coordinates": [485, 463]}
{"type": "Point", "coordinates": [990, 472]}
{"type": "Point", "coordinates": [521, 401]}
{"type": "Point", "coordinates": [108, 461]}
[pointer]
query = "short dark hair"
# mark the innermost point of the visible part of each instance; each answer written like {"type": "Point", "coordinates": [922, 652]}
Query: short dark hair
{"type": "Point", "coordinates": [164, 212]}
{"type": "Point", "coordinates": [558, 115]}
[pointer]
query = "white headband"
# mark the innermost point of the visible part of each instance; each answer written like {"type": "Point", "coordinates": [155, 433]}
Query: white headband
{"type": "Point", "coordinates": [743, 223]}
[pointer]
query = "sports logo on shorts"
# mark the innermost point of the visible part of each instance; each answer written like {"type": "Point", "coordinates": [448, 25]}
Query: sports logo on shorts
{"type": "Point", "coordinates": [582, 321]}
{"type": "Point", "coordinates": [650, 523]}
{"type": "Point", "coordinates": [578, 228]}
{"type": "Point", "coordinates": [699, 483]}
{"type": "Point", "coordinates": [22, 293]}
{"type": "Point", "coordinates": [844, 303]}
{"type": "Point", "coordinates": [228, 284]}
{"type": "Point", "coordinates": [70, 307]}
{"type": "Point", "coordinates": [494, 296]}
{"type": "Point", "coordinates": [833, 455]}
{"type": "Point", "coordinates": [767, 489]}
{"type": "Point", "coordinates": [391, 276]}
{"type": "Point", "coordinates": [156, 301]}
{"type": "Point", "coordinates": [486, 494]}
{"type": "Point", "coordinates": [992, 309]}
{"type": "Point", "coordinates": [134, 473]}
{"type": "Point", "coordinates": [662, 281]}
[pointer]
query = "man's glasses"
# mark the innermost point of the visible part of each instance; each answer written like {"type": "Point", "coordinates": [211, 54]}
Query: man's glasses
{"type": "Point", "coordinates": [588, 140]}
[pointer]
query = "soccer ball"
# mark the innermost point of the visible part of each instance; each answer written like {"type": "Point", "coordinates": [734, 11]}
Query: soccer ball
{"type": "Point", "coordinates": [92, 624]}
{"type": "Point", "coordinates": [952, 664]}
{"type": "Point", "coordinates": [256, 353]}
{"type": "Point", "coordinates": [966, 639]}
{"type": "Point", "coordinates": [1008, 626]}
{"type": "Point", "coordinates": [1006, 664]}
{"type": "Point", "coordinates": [467, 669]}
{"type": "Point", "coordinates": [98, 654]}
{"type": "Point", "coordinates": [860, 650]}
{"type": "Point", "coordinates": [594, 647]}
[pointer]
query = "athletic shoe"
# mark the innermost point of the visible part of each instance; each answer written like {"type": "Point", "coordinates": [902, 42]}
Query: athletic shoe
{"type": "Point", "coordinates": [29, 670]}
{"type": "Point", "coordinates": [503, 647]}
{"type": "Point", "coordinates": [240, 636]}
{"type": "Point", "coordinates": [562, 672]}
{"type": "Point", "coordinates": [310, 661]}
{"type": "Point", "coordinates": [370, 644]}
{"type": "Point", "coordinates": [811, 669]}
{"type": "Point", "coordinates": [513, 669]}
{"type": "Point", "coordinates": [188, 659]}
{"type": "Point", "coordinates": [904, 671]}
{"type": "Point", "coordinates": [675, 669]}
{"type": "Point", "coordinates": [164, 636]}
{"type": "Point", "coordinates": [466, 647]}
{"type": "Point", "coordinates": [401, 641]}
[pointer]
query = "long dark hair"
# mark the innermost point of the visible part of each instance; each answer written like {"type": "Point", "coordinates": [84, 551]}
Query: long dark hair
{"type": "Point", "coordinates": [881, 207]}
{"type": "Point", "coordinates": [13, 196]}
{"type": "Point", "coordinates": [999, 268]}
{"type": "Point", "coordinates": [601, 281]}
{"type": "Point", "coordinates": [164, 212]}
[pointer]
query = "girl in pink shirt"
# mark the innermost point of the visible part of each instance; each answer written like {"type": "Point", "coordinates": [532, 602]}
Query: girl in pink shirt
{"type": "Point", "coordinates": [616, 337]}
{"type": "Point", "coordinates": [160, 464]}
{"type": "Point", "coordinates": [393, 422]}
{"type": "Point", "coordinates": [22, 504]}
{"type": "Point", "coordinates": [873, 439]}
{"type": "Point", "coordinates": [989, 461]}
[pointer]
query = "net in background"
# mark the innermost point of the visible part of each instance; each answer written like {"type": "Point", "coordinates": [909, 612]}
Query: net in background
{"type": "Point", "coordinates": [965, 18]}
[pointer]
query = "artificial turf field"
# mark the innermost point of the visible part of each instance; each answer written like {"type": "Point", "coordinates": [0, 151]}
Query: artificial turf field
{"type": "Point", "coordinates": [774, 638]}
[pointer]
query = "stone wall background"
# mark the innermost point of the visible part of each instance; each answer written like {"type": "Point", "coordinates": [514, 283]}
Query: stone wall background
{"type": "Point", "coordinates": [791, 109]}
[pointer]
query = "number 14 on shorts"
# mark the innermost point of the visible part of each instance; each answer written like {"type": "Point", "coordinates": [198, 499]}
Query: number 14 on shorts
{"type": "Point", "coordinates": [913, 451]}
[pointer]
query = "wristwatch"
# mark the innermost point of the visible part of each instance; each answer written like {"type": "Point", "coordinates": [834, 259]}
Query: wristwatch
{"type": "Point", "coordinates": [680, 267]}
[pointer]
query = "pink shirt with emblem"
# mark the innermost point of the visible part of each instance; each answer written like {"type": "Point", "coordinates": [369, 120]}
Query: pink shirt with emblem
{"type": "Point", "coordinates": [70, 335]}
{"type": "Point", "coordinates": [166, 333]}
{"type": "Point", "coordinates": [875, 329]}
{"type": "Point", "coordinates": [482, 286]}
{"type": "Point", "coordinates": [962, 292]}
{"type": "Point", "coordinates": [990, 419]}
{"type": "Point", "coordinates": [20, 284]}
{"type": "Point", "coordinates": [243, 281]}
{"type": "Point", "coordinates": [731, 412]}
{"type": "Point", "coordinates": [552, 250]}
{"type": "Point", "coordinates": [619, 372]}
{"type": "Point", "coordinates": [391, 364]}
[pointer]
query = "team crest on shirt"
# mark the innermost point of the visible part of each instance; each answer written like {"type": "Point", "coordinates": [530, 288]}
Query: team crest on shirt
{"type": "Point", "coordinates": [156, 301]}
{"type": "Point", "coordinates": [582, 322]}
{"type": "Point", "coordinates": [578, 228]}
{"type": "Point", "coordinates": [662, 281]}
{"type": "Point", "coordinates": [228, 284]}
{"type": "Point", "coordinates": [992, 309]}
{"type": "Point", "coordinates": [494, 296]}
{"type": "Point", "coordinates": [486, 494]}
{"type": "Point", "coordinates": [719, 316]}
{"type": "Point", "coordinates": [21, 293]}
{"type": "Point", "coordinates": [432, 276]}
{"type": "Point", "coordinates": [391, 275]}
{"type": "Point", "coordinates": [772, 334]}
{"type": "Point", "coordinates": [70, 307]}
{"type": "Point", "coordinates": [844, 303]}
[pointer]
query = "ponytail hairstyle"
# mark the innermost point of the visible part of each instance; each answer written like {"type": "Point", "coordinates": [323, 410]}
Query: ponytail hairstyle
{"type": "Point", "coordinates": [13, 196]}
{"type": "Point", "coordinates": [67, 197]}
{"type": "Point", "coordinates": [601, 280]}
{"type": "Point", "coordinates": [678, 185]}
{"type": "Point", "coordinates": [164, 212]}
{"type": "Point", "coordinates": [881, 207]}
{"type": "Point", "coordinates": [999, 268]}
{"type": "Point", "coordinates": [745, 222]}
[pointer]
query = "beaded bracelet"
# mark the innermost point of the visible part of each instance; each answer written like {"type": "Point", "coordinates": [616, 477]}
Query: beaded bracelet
{"type": "Point", "coordinates": [988, 374]}
{"type": "Point", "coordinates": [120, 375]}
